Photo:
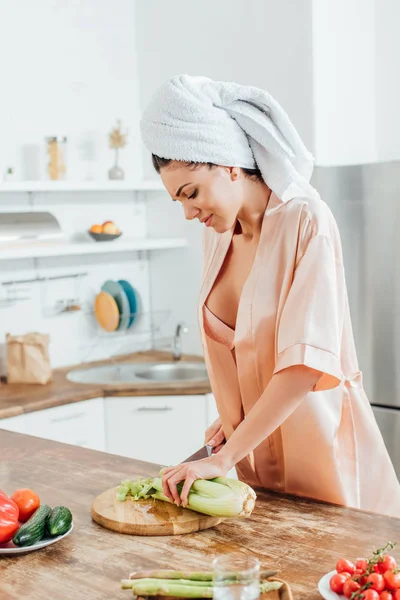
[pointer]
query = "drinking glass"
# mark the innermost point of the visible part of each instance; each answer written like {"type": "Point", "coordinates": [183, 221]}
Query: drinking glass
{"type": "Point", "coordinates": [236, 577]}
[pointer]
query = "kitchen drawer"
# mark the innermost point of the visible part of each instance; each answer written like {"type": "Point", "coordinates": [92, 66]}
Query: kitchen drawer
{"type": "Point", "coordinates": [80, 424]}
{"type": "Point", "coordinates": [17, 424]}
{"type": "Point", "coordinates": [160, 429]}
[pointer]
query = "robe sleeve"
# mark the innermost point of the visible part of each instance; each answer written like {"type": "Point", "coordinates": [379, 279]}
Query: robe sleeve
{"type": "Point", "coordinates": [310, 328]}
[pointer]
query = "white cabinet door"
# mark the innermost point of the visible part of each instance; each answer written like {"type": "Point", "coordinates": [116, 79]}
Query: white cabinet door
{"type": "Point", "coordinates": [160, 429]}
{"type": "Point", "coordinates": [212, 413]}
{"type": "Point", "coordinates": [17, 424]}
{"type": "Point", "coordinates": [79, 424]}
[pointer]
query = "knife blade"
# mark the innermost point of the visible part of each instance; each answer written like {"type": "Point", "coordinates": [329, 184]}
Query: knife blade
{"type": "Point", "coordinates": [204, 452]}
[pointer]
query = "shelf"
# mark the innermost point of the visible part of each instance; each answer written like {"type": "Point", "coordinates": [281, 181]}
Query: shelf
{"type": "Point", "coordinates": [42, 249]}
{"type": "Point", "coordinates": [81, 186]}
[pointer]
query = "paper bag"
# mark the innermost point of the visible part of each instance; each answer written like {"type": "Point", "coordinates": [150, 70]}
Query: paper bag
{"type": "Point", "coordinates": [27, 358]}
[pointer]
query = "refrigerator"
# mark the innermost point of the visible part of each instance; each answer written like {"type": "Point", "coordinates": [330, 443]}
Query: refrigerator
{"type": "Point", "coordinates": [365, 200]}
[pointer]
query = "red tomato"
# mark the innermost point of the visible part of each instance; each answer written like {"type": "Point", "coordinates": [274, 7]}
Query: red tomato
{"type": "Point", "coordinates": [27, 502]}
{"type": "Point", "coordinates": [360, 576]}
{"type": "Point", "coordinates": [337, 582]}
{"type": "Point", "coordinates": [370, 595]}
{"type": "Point", "coordinates": [362, 564]}
{"type": "Point", "coordinates": [8, 519]}
{"type": "Point", "coordinates": [386, 596]}
{"type": "Point", "coordinates": [377, 582]}
{"type": "Point", "coordinates": [345, 566]}
{"type": "Point", "coordinates": [350, 586]}
{"type": "Point", "coordinates": [396, 595]}
{"type": "Point", "coordinates": [392, 580]}
{"type": "Point", "coordinates": [388, 564]}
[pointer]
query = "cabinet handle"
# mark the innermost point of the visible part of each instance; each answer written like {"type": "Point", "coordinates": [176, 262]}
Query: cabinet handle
{"type": "Point", "coordinates": [68, 417]}
{"type": "Point", "coordinates": [153, 409]}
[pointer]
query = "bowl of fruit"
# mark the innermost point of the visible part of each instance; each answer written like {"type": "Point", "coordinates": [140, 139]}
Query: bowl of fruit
{"type": "Point", "coordinates": [106, 232]}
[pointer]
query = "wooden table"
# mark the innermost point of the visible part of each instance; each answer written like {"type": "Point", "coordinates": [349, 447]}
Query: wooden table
{"type": "Point", "coordinates": [302, 538]}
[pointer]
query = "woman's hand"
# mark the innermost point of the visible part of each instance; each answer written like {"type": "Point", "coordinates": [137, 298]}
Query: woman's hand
{"type": "Point", "coordinates": [207, 468]}
{"type": "Point", "coordinates": [215, 436]}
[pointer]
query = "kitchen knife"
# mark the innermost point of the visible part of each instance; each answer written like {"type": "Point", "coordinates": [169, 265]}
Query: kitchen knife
{"type": "Point", "coordinates": [204, 452]}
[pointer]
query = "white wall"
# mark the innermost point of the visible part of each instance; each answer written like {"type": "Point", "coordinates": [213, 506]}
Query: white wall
{"type": "Point", "coordinates": [259, 42]}
{"type": "Point", "coordinates": [387, 79]}
{"type": "Point", "coordinates": [68, 68]}
{"type": "Point", "coordinates": [344, 82]}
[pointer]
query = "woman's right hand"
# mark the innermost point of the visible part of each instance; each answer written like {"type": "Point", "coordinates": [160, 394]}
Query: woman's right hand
{"type": "Point", "coordinates": [215, 436]}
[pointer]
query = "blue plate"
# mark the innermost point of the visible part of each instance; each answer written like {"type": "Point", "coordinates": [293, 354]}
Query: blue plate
{"type": "Point", "coordinates": [132, 299]}
{"type": "Point", "coordinates": [117, 292]}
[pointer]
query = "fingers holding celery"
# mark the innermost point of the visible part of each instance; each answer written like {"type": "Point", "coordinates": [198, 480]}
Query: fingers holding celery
{"type": "Point", "coordinates": [207, 468]}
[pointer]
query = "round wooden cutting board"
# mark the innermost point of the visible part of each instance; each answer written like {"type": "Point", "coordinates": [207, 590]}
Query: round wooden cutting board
{"type": "Point", "coordinates": [147, 517]}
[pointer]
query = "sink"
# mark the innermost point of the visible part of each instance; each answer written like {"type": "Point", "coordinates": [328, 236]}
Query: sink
{"type": "Point", "coordinates": [140, 372]}
{"type": "Point", "coordinates": [174, 372]}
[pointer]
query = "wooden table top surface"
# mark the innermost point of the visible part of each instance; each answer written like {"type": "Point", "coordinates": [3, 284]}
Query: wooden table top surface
{"type": "Point", "coordinates": [16, 399]}
{"type": "Point", "coordinates": [301, 538]}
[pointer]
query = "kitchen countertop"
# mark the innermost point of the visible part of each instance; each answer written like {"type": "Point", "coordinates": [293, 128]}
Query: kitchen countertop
{"type": "Point", "coordinates": [302, 538]}
{"type": "Point", "coordinates": [16, 399]}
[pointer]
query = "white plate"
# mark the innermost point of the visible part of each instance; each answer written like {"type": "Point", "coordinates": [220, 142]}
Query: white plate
{"type": "Point", "coordinates": [9, 548]}
{"type": "Point", "coordinates": [325, 590]}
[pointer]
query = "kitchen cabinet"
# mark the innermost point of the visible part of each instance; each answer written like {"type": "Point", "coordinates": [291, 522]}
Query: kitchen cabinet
{"type": "Point", "coordinates": [160, 429]}
{"type": "Point", "coordinates": [17, 424]}
{"type": "Point", "coordinates": [79, 424]}
{"type": "Point", "coordinates": [212, 415]}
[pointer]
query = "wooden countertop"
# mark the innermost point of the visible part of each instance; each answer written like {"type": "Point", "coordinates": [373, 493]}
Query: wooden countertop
{"type": "Point", "coordinates": [302, 538]}
{"type": "Point", "coordinates": [16, 399]}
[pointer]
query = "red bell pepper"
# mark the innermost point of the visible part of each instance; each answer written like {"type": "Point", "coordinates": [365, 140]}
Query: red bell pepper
{"type": "Point", "coordinates": [9, 514]}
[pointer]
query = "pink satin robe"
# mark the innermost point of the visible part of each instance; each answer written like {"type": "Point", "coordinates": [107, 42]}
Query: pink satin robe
{"type": "Point", "coordinates": [294, 310]}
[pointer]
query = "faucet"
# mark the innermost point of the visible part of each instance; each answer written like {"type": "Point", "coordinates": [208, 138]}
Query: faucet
{"type": "Point", "coordinates": [177, 345]}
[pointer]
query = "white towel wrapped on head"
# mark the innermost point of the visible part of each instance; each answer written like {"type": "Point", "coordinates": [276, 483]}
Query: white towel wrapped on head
{"type": "Point", "coordinates": [201, 120]}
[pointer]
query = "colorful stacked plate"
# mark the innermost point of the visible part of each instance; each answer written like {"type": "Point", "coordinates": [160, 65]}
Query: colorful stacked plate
{"type": "Point", "coordinates": [117, 292]}
{"type": "Point", "coordinates": [106, 311]}
{"type": "Point", "coordinates": [132, 299]}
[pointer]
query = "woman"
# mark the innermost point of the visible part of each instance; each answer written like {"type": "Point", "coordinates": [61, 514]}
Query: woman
{"type": "Point", "coordinates": [273, 311]}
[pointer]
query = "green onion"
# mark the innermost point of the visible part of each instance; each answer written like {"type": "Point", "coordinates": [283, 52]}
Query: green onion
{"type": "Point", "coordinates": [182, 588]}
{"type": "Point", "coordinates": [219, 497]}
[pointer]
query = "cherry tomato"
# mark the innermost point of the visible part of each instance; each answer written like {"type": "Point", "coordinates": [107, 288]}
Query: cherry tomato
{"type": "Point", "coordinates": [345, 566]}
{"type": "Point", "coordinates": [388, 564]}
{"type": "Point", "coordinates": [396, 595]}
{"type": "Point", "coordinates": [385, 595]}
{"type": "Point", "coordinates": [337, 582]}
{"type": "Point", "coordinates": [27, 502]}
{"type": "Point", "coordinates": [392, 580]}
{"type": "Point", "coordinates": [350, 586]}
{"type": "Point", "coordinates": [377, 582]}
{"type": "Point", "coordinates": [362, 564]}
{"type": "Point", "coordinates": [360, 576]}
{"type": "Point", "coordinates": [370, 595]}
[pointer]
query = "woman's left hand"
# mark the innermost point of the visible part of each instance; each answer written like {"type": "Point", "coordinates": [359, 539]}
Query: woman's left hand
{"type": "Point", "coordinates": [207, 468]}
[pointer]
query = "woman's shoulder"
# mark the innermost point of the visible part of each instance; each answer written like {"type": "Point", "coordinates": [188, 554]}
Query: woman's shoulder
{"type": "Point", "coordinates": [316, 218]}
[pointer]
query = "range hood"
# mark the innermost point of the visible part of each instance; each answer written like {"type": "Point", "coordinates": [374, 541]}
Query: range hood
{"type": "Point", "coordinates": [29, 227]}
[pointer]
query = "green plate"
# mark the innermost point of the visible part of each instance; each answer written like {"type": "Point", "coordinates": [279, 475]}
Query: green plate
{"type": "Point", "coordinates": [120, 297]}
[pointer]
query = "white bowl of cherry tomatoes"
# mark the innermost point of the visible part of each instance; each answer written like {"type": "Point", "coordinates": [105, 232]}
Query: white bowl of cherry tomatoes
{"type": "Point", "coordinates": [375, 578]}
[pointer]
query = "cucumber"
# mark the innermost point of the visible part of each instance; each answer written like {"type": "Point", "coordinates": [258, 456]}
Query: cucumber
{"type": "Point", "coordinates": [59, 521]}
{"type": "Point", "coordinates": [34, 529]}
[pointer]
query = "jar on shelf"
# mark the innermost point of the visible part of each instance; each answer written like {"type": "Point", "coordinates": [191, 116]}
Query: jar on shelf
{"type": "Point", "coordinates": [57, 157]}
